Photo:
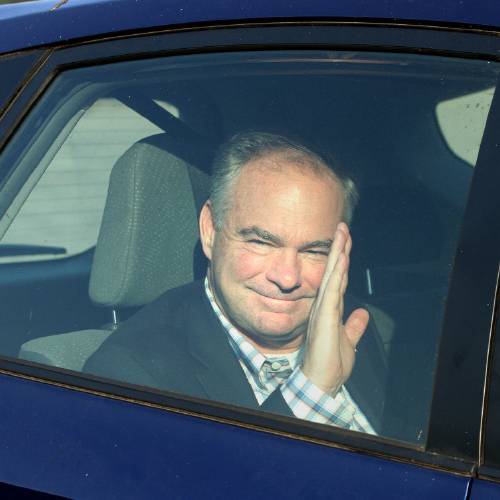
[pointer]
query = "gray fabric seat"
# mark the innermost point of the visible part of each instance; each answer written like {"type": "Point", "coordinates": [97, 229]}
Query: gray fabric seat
{"type": "Point", "coordinates": [147, 244]}
{"type": "Point", "coordinates": [66, 350]}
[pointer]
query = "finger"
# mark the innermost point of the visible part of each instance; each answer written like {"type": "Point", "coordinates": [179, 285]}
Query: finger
{"type": "Point", "coordinates": [333, 297]}
{"type": "Point", "coordinates": [345, 277]}
{"type": "Point", "coordinates": [348, 245]}
{"type": "Point", "coordinates": [343, 285]}
{"type": "Point", "coordinates": [356, 325]}
{"type": "Point", "coordinates": [345, 229]}
{"type": "Point", "coordinates": [336, 249]}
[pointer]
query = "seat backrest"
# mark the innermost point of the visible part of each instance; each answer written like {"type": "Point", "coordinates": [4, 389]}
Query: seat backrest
{"type": "Point", "coordinates": [149, 229]}
{"type": "Point", "coordinates": [147, 244]}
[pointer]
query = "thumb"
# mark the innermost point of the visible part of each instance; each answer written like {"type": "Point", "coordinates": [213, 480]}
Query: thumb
{"type": "Point", "coordinates": [356, 325]}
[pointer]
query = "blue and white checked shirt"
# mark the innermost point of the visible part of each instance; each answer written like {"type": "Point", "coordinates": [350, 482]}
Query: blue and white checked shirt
{"type": "Point", "coordinates": [307, 401]}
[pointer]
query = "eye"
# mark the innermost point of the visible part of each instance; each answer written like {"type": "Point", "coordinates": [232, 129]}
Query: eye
{"type": "Point", "coordinates": [259, 242]}
{"type": "Point", "coordinates": [317, 252]}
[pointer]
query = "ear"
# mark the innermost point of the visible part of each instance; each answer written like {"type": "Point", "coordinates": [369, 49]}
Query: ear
{"type": "Point", "coordinates": [207, 229]}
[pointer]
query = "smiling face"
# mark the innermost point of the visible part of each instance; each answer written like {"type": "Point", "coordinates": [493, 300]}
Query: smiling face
{"type": "Point", "coordinates": [268, 259]}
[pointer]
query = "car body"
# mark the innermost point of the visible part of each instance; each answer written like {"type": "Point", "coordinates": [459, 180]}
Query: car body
{"type": "Point", "coordinates": [404, 74]}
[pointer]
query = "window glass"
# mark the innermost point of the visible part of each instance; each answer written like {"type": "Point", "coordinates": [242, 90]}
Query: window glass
{"type": "Point", "coordinates": [462, 120]}
{"type": "Point", "coordinates": [62, 214]}
{"type": "Point", "coordinates": [232, 300]}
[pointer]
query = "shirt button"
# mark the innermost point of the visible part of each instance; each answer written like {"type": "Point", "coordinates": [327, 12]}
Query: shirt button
{"type": "Point", "coordinates": [275, 366]}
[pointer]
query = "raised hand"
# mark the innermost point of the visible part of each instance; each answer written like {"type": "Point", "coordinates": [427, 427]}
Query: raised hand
{"type": "Point", "coordinates": [330, 345]}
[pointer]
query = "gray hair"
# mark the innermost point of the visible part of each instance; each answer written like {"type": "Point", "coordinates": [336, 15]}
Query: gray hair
{"type": "Point", "coordinates": [245, 147]}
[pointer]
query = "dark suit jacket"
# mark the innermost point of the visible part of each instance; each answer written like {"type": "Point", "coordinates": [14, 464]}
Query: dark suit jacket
{"type": "Point", "coordinates": [176, 343]}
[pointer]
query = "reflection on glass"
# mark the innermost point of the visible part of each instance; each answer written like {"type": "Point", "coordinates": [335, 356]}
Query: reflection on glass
{"type": "Point", "coordinates": [242, 190]}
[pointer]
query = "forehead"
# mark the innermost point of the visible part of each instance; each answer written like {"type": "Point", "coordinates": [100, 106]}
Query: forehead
{"type": "Point", "coordinates": [281, 195]}
{"type": "Point", "coordinates": [287, 162]}
{"type": "Point", "coordinates": [286, 169]}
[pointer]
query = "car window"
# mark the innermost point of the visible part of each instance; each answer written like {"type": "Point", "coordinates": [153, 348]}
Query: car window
{"type": "Point", "coordinates": [462, 120]}
{"type": "Point", "coordinates": [108, 186]}
{"type": "Point", "coordinates": [62, 214]}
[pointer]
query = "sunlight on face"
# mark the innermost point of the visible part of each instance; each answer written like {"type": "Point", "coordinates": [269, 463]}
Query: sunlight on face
{"type": "Point", "coordinates": [268, 259]}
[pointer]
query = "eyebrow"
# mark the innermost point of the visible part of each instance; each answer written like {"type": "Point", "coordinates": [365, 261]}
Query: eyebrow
{"type": "Point", "coordinates": [318, 244]}
{"type": "Point", "coordinates": [261, 233]}
{"type": "Point", "coordinates": [267, 236]}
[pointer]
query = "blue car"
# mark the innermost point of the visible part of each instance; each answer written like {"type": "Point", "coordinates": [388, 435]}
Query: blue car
{"type": "Point", "coordinates": [116, 118]}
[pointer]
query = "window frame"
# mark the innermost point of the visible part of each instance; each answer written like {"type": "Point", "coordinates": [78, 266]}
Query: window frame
{"type": "Point", "coordinates": [454, 448]}
{"type": "Point", "coordinates": [489, 460]}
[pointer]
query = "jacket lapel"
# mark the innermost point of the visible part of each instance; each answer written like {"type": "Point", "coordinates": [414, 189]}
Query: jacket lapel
{"type": "Point", "coordinates": [216, 366]}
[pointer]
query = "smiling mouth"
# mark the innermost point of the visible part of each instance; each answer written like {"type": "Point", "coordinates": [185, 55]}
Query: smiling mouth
{"type": "Point", "coordinates": [266, 296]}
{"type": "Point", "coordinates": [278, 300]}
{"type": "Point", "coordinates": [284, 301]}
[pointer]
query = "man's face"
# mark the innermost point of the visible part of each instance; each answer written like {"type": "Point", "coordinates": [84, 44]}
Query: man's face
{"type": "Point", "coordinates": [268, 259]}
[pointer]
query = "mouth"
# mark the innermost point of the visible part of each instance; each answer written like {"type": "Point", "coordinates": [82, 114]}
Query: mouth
{"type": "Point", "coordinates": [271, 296]}
{"type": "Point", "coordinates": [278, 304]}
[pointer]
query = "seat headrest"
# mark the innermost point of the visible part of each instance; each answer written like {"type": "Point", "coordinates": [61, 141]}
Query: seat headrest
{"type": "Point", "coordinates": [149, 228]}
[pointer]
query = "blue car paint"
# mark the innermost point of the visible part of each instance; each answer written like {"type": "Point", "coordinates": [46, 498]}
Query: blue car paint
{"type": "Point", "coordinates": [85, 446]}
{"type": "Point", "coordinates": [484, 490]}
{"type": "Point", "coordinates": [53, 21]}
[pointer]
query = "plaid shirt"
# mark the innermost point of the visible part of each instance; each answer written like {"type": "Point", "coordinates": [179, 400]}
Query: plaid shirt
{"type": "Point", "coordinates": [307, 401]}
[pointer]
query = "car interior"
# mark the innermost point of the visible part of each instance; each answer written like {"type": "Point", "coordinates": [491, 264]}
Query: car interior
{"type": "Point", "coordinates": [373, 113]}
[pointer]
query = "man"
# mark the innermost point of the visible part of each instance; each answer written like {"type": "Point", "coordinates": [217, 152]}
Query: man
{"type": "Point", "coordinates": [265, 328]}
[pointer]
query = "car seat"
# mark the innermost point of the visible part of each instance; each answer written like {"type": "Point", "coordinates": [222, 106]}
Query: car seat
{"type": "Point", "coordinates": [148, 242]}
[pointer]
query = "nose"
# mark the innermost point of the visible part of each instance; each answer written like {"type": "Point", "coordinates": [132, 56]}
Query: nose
{"type": "Point", "coordinates": [285, 270]}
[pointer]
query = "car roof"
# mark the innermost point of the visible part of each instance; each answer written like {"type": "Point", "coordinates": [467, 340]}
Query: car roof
{"type": "Point", "coordinates": [44, 22]}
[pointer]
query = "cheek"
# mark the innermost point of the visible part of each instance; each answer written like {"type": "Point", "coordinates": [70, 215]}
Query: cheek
{"type": "Point", "coordinates": [245, 265]}
{"type": "Point", "coordinates": [312, 273]}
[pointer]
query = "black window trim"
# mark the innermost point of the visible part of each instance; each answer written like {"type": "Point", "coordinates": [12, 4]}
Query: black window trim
{"type": "Point", "coordinates": [446, 446]}
{"type": "Point", "coordinates": [488, 469]}
{"type": "Point", "coordinates": [20, 67]}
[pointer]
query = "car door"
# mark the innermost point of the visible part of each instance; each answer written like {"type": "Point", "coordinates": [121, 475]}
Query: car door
{"type": "Point", "coordinates": [408, 114]}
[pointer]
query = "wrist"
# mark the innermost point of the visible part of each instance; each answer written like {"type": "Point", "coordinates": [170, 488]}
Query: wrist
{"type": "Point", "coordinates": [330, 384]}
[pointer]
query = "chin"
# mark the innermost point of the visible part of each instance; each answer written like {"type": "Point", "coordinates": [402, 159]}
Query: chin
{"type": "Point", "coordinates": [286, 328]}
